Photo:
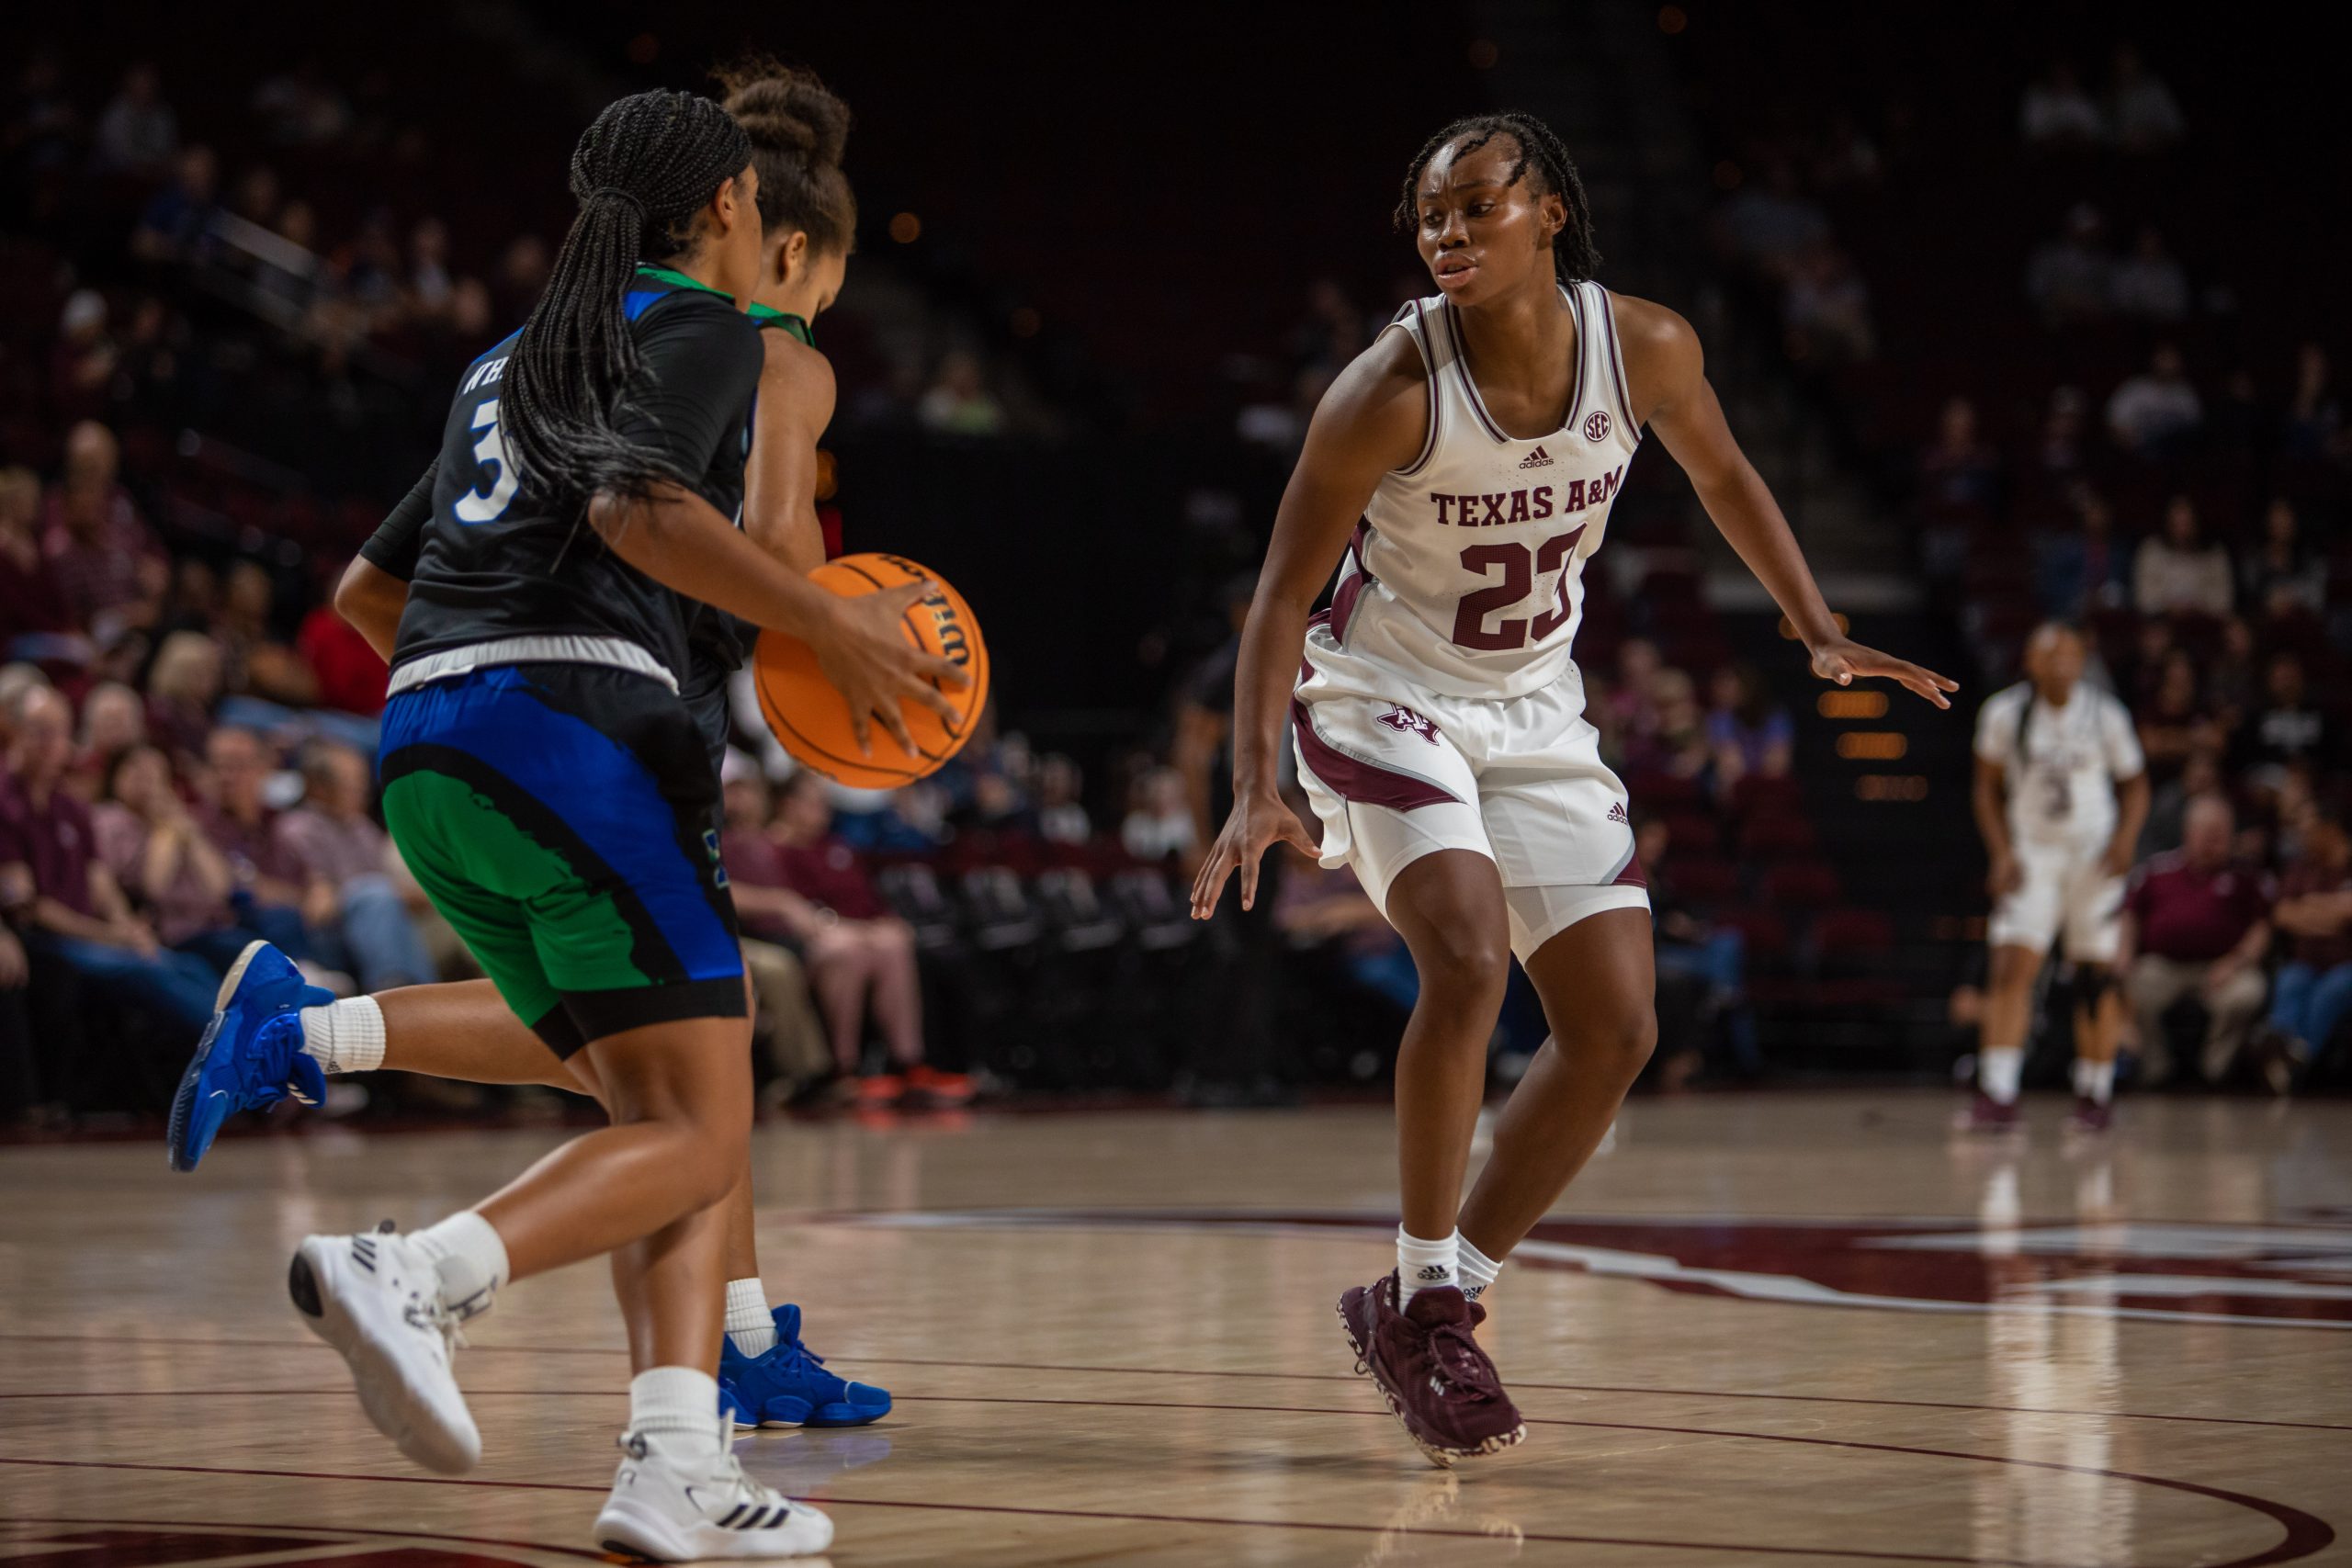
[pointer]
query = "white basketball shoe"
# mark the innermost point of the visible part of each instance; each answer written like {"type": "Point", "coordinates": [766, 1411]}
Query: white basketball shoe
{"type": "Point", "coordinates": [675, 1511]}
{"type": "Point", "coordinates": [378, 1300]}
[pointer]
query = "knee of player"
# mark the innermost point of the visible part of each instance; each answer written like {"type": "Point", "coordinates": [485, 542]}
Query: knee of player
{"type": "Point", "coordinates": [1623, 1037]}
{"type": "Point", "coordinates": [1461, 963]}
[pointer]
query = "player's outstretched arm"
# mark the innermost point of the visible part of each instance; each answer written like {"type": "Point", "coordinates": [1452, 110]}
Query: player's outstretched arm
{"type": "Point", "coordinates": [1664, 359]}
{"type": "Point", "coordinates": [1373, 420]}
{"type": "Point", "coordinates": [680, 541]}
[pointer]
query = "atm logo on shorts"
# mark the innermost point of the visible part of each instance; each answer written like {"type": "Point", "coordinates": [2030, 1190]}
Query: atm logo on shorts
{"type": "Point", "coordinates": [1405, 721]}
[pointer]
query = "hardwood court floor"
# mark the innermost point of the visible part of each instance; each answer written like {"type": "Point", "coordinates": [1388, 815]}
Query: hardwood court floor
{"type": "Point", "coordinates": [1776, 1328]}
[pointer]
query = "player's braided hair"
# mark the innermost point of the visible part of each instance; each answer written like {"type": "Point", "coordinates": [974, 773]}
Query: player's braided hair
{"type": "Point", "coordinates": [797, 130]}
{"type": "Point", "coordinates": [1574, 256]}
{"type": "Point", "coordinates": [641, 172]}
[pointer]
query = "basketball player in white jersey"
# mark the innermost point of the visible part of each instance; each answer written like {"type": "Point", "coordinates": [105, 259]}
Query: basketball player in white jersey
{"type": "Point", "coordinates": [2061, 793]}
{"type": "Point", "coordinates": [1466, 464]}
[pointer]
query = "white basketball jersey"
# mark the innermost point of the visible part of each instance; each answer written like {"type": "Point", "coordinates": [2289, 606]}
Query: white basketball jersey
{"type": "Point", "coordinates": [1467, 571]}
{"type": "Point", "coordinates": [2061, 764]}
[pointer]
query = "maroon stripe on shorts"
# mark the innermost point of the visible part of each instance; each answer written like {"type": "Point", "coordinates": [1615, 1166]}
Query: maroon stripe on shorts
{"type": "Point", "coordinates": [1351, 589]}
{"type": "Point", "coordinates": [1355, 780]}
{"type": "Point", "coordinates": [1632, 875]}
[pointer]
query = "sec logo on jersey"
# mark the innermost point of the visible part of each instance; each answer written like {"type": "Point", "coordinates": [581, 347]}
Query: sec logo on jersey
{"type": "Point", "coordinates": [1596, 427]}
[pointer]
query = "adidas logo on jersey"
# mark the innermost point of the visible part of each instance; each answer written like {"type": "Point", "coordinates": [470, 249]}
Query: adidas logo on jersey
{"type": "Point", "coordinates": [1539, 458]}
{"type": "Point", "coordinates": [1617, 813]}
{"type": "Point", "coordinates": [1405, 721]}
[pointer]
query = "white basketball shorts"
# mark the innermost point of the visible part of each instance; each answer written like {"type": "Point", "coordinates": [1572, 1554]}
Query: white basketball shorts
{"type": "Point", "coordinates": [1396, 771]}
{"type": "Point", "coordinates": [2063, 893]}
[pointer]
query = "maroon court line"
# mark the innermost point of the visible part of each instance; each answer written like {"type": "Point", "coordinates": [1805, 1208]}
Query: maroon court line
{"type": "Point", "coordinates": [1184, 1372]}
{"type": "Point", "coordinates": [2303, 1533]}
{"type": "Point", "coordinates": [1549, 1539]}
{"type": "Point", "coordinates": [369, 1531]}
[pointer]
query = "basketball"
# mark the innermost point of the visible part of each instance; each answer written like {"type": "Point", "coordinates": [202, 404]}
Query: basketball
{"type": "Point", "coordinates": [811, 718]}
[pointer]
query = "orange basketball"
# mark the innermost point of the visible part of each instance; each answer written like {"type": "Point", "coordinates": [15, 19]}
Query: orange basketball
{"type": "Point", "coordinates": [811, 719]}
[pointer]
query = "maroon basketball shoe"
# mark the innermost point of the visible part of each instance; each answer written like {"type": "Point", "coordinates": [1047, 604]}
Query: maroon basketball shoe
{"type": "Point", "coordinates": [2090, 1115]}
{"type": "Point", "coordinates": [1429, 1368]}
{"type": "Point", "coordinates": [1985, 1114]}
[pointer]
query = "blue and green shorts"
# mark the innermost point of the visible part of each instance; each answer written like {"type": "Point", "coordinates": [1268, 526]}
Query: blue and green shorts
{"type": "Point", "coordinates": [563, 818]}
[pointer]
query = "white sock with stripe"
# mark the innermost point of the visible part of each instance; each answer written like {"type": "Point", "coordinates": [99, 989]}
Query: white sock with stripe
{"type": "Point", "coordinates": [1426, 1265]}
{"type": "Point", "coordinates": [1478, 1269]}
{"type": "Point", "coordinates": [345, 1036]}
{"type": "Point", "coordinates": [748, 1323]}
{"type": "Point", "coordinates": [676, 1410]}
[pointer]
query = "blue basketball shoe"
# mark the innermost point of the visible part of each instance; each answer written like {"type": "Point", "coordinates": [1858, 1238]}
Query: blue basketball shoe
{"type": "Point", "coordinates": [789, 1386]}
{"type": "Point", "coordinates": [251, 1053]}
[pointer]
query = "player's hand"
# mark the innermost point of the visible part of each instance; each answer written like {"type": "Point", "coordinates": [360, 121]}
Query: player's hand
{"type": "Point", "coordinates": [1844, 660]}
{"type": "Point", "coordinates": [872, 666]}
{"type": "Point", "coordinates": [1257, 821]}
{"type": "Point", "coordinates": [2117, 862]}
{"type": "Point", "coordinates": [2005, 877]}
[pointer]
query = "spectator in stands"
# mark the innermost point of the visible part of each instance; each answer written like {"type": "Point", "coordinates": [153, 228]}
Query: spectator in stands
{"type": "Point", "coordinates": [859, 955]}
{"type": "Point", "coordinates": [2288, 729]}
{"type": "Point", "coordinates": [2177, 572]}
{"type": "Point", "coordinates": [70, 906]}
{"type": "Point", "coordinates": [2068, 278]}
{"type": "Point", "coordinates": [44, 123]}
{"type": "Point", "coordinates": [2081, 568]}
{"type": "Point", "coordinates": [257, 198]}
{"type": "Point", "coordinates": [426, 285]}
{"type": "Point", "coordinates": [181, 688]}
{"type": "Point", "coordinates": [147, 363]}
{"type": "Point", "coordinates": [348, 674]}
{"type": "Point", "coordinates": [2058, 457]}
{"type": "Point", "coordinates": [301, 109]}
{"type": "Point", "coordinates": [783, 1022]}
{"type": "Point", "coordinates": [82, 361]}
{"type": "Point", "coordinates": [2156, 412]}
{"type": "Point", "coordinates": [2197, 777]}
{"type": "Point", "coordinates": [2140, 108]}
{"type": "Point", "coordinates": [113, 721]}
{"type": "Point", "coordinates": [137, 131]}
{"type": "Point", "coordinates": [958, 402]}
{"type": "Point", "coordinates": [1771, 222]}
{"type": "Point", "coordinates": [1678, 746]}
{"type": "Point", "coordinates": [366, 929]}
{"type": "Point", "coordinates": [1747, 732]}
{"type": "Point", "coordinates": [2314, 425]}
{"type": "Point", "coordinates": [253, 662]}
{"type": "Point", "coordinates": [35, 622]}
{"type": "Point", "coordinates": [1315, 907]}
{"type": "Point", "coordinates": [2197, 924]}
{"type": "Point", "coordinates": [1061, 810]}
{"type": "Point", "coordinates": [2174, 724]}
{"type": "Point", "coordinates": [1826, 310]}
{"type": "Point", "coordinates": [2314, 990]}
{"type": "Point", "coordinates": [108, 563]}
{"type": "Point", "coordinates": [1633, 702]}
{"type": "Point", "coordinates": [271, 889]}
{"type": "Point", "coordinates": [1159, 822]}
{"type": "Point", "coordinates": [178, 221]}
{"type": "Point", "coordinates": [163, 860]}
{"type": "Point", "coordinates": [1960, 472]}
{"type": "Point", "coordinates": [2233, 680]}
{"type": "Point", "coordinates": [1692, 947]}
{"type": "Point", "coordinates": [2057, 112]}
{"type": "Point", "coordinates": [2150, 281]}
{"type": "Point", "coordinates": [2281, 575]}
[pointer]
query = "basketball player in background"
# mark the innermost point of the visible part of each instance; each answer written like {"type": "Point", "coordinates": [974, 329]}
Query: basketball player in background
{"type": "Point", "coordinates": [1464, 467]}
{"type": "Point", "coordinates": [464, 1029]}
{"type": "Point", "coordinates": [2061, 796]}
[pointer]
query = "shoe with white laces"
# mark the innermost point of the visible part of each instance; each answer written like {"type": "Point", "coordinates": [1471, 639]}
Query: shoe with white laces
{"type": "Point", "coordinates": [377, 1299]}
{"type": "Point", "coordinates": [678, 1511]}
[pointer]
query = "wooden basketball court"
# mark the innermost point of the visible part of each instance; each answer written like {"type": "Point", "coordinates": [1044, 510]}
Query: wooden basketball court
{"type": "Point", "coordinates": [1775, 1329]}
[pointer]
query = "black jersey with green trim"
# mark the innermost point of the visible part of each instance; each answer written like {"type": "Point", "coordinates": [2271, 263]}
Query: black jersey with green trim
{"type": "Point", "coordinates": [721, 642]}
{"type": "Point", "coordinates": [492, 561]}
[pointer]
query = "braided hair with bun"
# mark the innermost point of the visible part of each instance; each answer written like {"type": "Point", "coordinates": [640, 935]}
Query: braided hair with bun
{"type": "Point", "coordinates": [1575, 257]}
{"type": "Point", "coordinates": [641, 172]}
{"type": "Point", "coordinates": [797, 129]}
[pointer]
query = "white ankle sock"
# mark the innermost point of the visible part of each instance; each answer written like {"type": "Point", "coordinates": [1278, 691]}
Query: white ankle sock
{"type": "Point", "coordinates": [676, 1410]}
{"type": "Point", "coordinates": [1478, 1269]}
{"type": "Point", "coordinates": [471, 1261]}
{"type": "Point", "coordinates": [748, 1323]}
{"type": "Point", "coordinates": [1998, 1068]}
{"type": "Point", "coordinates": [2094, 1081]}
{"type": "Point", "coordinates": [1426, 1265]}
{"type": "Point", "coordinates": [345, 1036]}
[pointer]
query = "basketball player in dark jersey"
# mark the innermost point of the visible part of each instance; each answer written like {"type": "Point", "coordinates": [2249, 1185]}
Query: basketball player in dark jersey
{"type": "Point", "coordinates": [464, 1029]}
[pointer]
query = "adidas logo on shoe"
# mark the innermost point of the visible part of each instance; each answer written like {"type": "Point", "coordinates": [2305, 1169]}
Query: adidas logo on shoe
{"type": "Point", "coordinates": [1539, 458]}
